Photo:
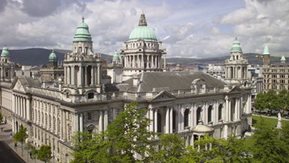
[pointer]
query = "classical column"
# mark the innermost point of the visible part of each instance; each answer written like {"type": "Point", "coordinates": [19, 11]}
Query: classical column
{"type": "Point", "coordinates": [225, 131]}
{"type": "Point", "coordinates": [73, 75]}
{"type": "Point", "coordinates": [92, 76]}
{"type": "Point", "coordinates": [85, 76]}
{"type": "Point", "coordinates": [100, 121]}
{"type": "Point", "coordinates": [76, 123]}
{"type": "Point", "coordinates": [81, 122]}
{"type": "Point", "coordinates": [28, 107]}
{"type": "Point", "coordinates": [167, 121]}
{"type": "Point", "coordinates": [151, 118]}
{"type": "Point", "coordinates": [156, 120]}
{"type": "Point", "coordinates": [171, 120]}
{"type": "Point", "coordinates": [65, 82]}
{"type": "Point", "coordinates": [98, 74]}
{"type": "Point", "coordinates": [105, 123]}
{"type": "Point", "coordinates": [226, 118]}
{"type": "Point", "coordinates": [79, 78]}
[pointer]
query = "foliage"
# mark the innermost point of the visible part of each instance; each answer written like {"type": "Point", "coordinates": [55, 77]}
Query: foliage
{"type": "Point", "coordinates": [269, 145]}
{"type": "Point", "coordinates": [44, 153]}
{"type": "Point", "coordinates": [273, 100]}
{"type": "Point", "coordinates": [21, 136]}
{"type": "Point", "coordinates": [126, 137]}
{"type": "Point", "coordinates": [171, 149]}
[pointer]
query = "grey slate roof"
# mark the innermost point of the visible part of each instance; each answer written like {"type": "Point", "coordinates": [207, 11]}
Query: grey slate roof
{"type": "Point", "coordinates": [173, 81]}
{"type": "Point", "coordinates": [29, 82]}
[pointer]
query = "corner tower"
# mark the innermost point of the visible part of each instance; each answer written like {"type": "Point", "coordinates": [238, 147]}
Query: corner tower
{"type": "Point", "coordinates": [142, 52]}
{"type": "Point", "coordinates": [82, 68]}
{"type": "Point", "coordinates": [6, 67]}
{"type": "Point", "coordinates": [236, 66]}
{"type": "Point", "coordinates": [266, 56]}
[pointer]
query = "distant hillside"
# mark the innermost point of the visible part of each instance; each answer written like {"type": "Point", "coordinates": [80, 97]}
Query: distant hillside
{"type": "Point", "coordinates": [252, 59]}
{"type": "Point", "coordinates": [39, 56]}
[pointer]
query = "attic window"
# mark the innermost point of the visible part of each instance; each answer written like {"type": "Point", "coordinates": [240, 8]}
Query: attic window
{"type": "Point", "coordinates": [90, 95]}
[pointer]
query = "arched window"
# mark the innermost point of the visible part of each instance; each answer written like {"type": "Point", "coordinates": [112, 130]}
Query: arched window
{"type": "Point", "coordinates": [199, 111]}
{"type": "Point", "coordinates": [210, 110]}
{"type": "Point", "coordinates": [220, 110]}
{"type": "Point", "coordinates": [90, 95]}
{"type": "Point", "coordinates": [186, 118]}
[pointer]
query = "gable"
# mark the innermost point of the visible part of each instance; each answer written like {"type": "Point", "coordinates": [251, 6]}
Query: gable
{"type": "Point", "coordinates": [236, 89]}
{"type": "Point", "coordinates": [19, 87]}
{"type": "Point", "coordinates": [163, 96]}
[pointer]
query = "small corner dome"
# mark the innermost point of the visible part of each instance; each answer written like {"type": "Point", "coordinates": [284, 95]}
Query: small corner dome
{"type": "Point", "coordinates": [236, 46]}
{"type": "Point", "coordinates": [52, 56]}
{"type": "Point", "coordinates": [142, 31]}
{"type": "Point", "coordinates": [115, 57]}
{"type": "Point", "coordinates": [82, 33]}
{"type": "Point", "coordinates": [283, 59]}
{"type": "Point", "coordinates": [266, 50]}
{"type": "Point", "coordinates": [5, 52]}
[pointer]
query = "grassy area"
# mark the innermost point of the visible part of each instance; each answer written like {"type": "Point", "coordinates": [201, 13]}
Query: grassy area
{"type": "Point", "coordinates": [272, 122]}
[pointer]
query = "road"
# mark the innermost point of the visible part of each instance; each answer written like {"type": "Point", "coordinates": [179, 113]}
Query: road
{"type": "Point", "coordinates": [7, 155]}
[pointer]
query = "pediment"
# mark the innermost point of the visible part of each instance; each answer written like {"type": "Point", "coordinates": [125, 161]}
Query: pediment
{"type": "Point", "coordinates": [19, 87]}
{"type": "Point", "coordinates": [163, 96]}
{"type": "Point", "coordinates": [236, 89]}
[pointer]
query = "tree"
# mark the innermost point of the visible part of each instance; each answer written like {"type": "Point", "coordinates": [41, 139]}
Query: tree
{"type": "Point", "coordinates": [269, 145]}
{"type": "Point", "coordinates": [171, 149]}
{"type": "Point", "coordinates": [267, 100]}
{"type": "Point", "coordinates": [21, 136]}
{"type": "Point", "coordinates": [44, 153]}
{"type": "Point", "coordinates": [126, 139]}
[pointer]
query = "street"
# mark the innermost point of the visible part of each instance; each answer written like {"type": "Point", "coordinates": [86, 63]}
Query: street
{"type": "Point", "coordinates": [7, 155]}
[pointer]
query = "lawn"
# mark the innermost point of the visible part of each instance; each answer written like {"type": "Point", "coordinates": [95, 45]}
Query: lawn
{"type": "Point", "coordinates": [271, 122]}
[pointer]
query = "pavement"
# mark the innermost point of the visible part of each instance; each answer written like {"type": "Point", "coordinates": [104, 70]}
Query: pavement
{"type": "Point", "coordinates": [8, 152]}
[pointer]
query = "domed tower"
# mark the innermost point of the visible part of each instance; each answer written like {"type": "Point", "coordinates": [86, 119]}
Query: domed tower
{"type": "Point", "coordinates": [52, 59]}
{"type": "Point", "coordinates": [266, 56]}
{"type": "Point", "coordinates": [142, 52]}
{"type": "Point", "coordinates": [6, 67]}
{"type": "Point", "coordinates": [82, 68]}
{"type": "Point", "coordinates": [236, 66]}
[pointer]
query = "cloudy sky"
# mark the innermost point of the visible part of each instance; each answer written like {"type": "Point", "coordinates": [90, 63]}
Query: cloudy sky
{"type": "Point", "coordinates": [188, 28]}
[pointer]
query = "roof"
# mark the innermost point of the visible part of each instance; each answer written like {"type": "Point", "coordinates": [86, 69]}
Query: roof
{"type": "Point", "coordinates": [142, 31]}
{"type": "Point", "coordinates": [82, 33]}
{"type": "Point", "coordinates": [266, 50]}
{"type": "Point", "coordinates": [200, 128]}
{"type": "Point", "coordinates": [172, 81]}
{"type": "Point", "coordinates": [52, 56]}
{"type": "Point", "coordinates": [29, 82]}
{"type": "Point", "coordinates": [5, 52]}
{"type": "Point", "coordinates": [236, 46]}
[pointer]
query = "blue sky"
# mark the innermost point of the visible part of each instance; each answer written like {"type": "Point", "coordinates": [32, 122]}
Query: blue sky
{"type": "Point", "coordinates": [188, 28]}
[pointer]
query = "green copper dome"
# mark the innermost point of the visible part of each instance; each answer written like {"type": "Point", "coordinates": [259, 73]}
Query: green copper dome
{"type": "Point", "coordinates": [82, 33]}
{"type": "Point", "coordinates": [236, 46]}
{"type": "Point", "coordinates": [266, 50]}
{"type": "Point", "coordinates": [142, 31]}
{"type": "Point", "coordinates": [283, 59]}
{"type": "Point", "coordinates": [116, 57]}
{"type": "Point", "coordinates": [52, 56]}
{"type": "Point", "coordinates": [5, 52]}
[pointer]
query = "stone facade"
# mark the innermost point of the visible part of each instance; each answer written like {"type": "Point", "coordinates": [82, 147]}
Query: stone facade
{"type": "Point", "coordinates": [190, 104]}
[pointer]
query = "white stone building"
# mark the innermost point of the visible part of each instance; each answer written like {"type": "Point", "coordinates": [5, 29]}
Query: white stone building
{"type": "Point", "coordinates": [190, 104]}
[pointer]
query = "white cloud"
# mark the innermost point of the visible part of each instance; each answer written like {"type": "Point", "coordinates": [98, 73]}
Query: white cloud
{"type": "Point", "coordinates": [188, 33]}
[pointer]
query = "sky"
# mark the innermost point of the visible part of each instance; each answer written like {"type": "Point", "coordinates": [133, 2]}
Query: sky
{"type": "Point", "coordinates": [187, 28]}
